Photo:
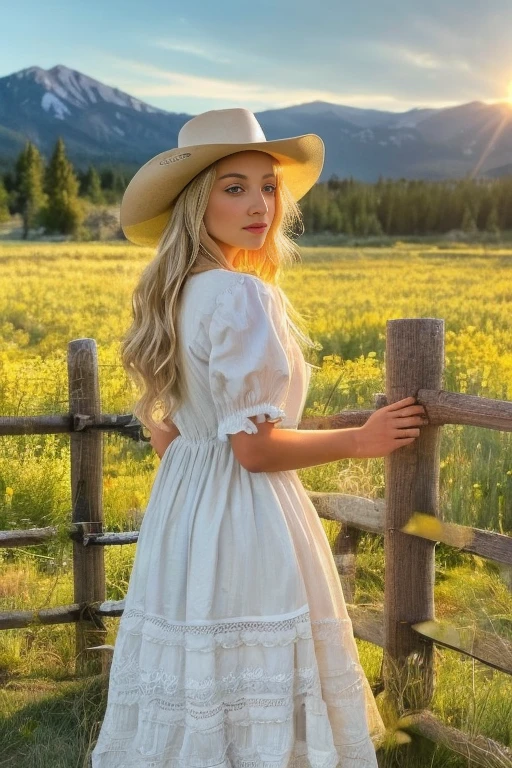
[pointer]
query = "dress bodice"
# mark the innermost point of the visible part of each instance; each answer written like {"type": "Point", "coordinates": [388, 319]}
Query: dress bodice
{"type": "Point", "coordinates": [236, 303]}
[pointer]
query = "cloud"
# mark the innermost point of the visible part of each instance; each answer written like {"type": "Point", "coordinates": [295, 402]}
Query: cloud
{"type": "Point", "coordinates": [426, 60]}
{"type": "Point", "coordinates": [150, 81]}
{"type": "Point", "coordinates": [422, 59]}
{"type": "Point", "coordinates": [191, 48]}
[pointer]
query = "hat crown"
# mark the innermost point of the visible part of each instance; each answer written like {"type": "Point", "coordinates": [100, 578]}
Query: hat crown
{"type": "Point", "coordinates": [221, 126]}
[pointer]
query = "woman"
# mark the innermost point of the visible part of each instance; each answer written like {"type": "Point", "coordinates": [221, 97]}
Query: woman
{"type": "Point", "coordinates": [235, 649]}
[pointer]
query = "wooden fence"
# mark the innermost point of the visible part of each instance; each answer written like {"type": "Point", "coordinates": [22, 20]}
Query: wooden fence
{"type": "Point", "coordinates": [406, 628]}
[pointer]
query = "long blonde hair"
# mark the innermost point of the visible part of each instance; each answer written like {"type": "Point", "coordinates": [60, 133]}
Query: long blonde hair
{"type": "Point", "coordinates": [150, 347]}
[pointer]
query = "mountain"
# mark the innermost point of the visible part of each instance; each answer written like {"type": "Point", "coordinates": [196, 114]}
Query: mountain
{"type": "Point", "coordinates": [103, 125]}
{"type": "Point", "coordinates": [99, 124]}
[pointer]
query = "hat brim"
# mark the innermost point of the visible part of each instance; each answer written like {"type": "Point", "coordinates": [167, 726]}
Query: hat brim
{"type": "Point", "coordinates": [148, 198]}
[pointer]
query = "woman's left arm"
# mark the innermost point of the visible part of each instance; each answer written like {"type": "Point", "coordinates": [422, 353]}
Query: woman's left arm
{"type": "Point", "coordinates": [161, 438]}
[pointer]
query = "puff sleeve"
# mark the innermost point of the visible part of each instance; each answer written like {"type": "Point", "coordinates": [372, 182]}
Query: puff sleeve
{"type": "Point", "coordinates": [248, 367]}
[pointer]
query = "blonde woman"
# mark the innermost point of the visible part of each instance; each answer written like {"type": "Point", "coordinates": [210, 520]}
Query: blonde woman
{"type": "Point", "coordinates": [235, 649]}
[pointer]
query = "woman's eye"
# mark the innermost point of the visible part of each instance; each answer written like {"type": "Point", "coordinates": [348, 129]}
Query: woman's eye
{"type": "Point", "coordinates": [237, 186]}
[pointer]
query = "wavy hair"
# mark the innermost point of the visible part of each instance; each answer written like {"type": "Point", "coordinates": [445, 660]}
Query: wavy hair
{"type": "Point", "coordinates": [150, 351]}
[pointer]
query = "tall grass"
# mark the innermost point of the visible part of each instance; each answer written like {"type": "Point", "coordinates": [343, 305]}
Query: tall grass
{"type": "Point", "coordinates": [63, 291]}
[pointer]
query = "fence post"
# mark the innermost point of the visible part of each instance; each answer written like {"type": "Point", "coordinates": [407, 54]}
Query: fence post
{"type": "Point", "coordinates": [344, 551]}
{"type": "Point", "coordinates": [86, 487]}
{"type": "Point", "coordinates": [414, 360]}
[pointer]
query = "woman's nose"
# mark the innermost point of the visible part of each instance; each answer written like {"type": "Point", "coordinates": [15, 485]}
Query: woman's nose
{"type": "Point", "coordinates": [259, 206]}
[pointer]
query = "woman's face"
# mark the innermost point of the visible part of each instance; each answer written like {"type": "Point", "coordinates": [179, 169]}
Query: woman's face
{"type": "Point", "coordinates": [243, 194]}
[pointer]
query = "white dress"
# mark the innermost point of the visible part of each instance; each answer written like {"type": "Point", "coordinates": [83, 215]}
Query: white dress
{"type": "Point", "coordinates": [235, 649]}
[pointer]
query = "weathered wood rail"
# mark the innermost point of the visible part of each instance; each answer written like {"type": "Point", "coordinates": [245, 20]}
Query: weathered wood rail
{"type": "Point", "coordinates": [405, 627]}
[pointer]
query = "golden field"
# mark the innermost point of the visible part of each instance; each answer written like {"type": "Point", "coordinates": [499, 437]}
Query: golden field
{"type": "Point", "coordinates": [53, 293]}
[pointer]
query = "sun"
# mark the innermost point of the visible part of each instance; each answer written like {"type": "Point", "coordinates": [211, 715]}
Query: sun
{"type": "Point", "coordinates": [509, 99]}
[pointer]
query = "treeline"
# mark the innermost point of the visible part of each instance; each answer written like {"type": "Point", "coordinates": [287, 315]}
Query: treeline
{"type": "Point", "coordinates": [54, 195]}
{"type": "Point", "coordinates": [58, 198]}
{"type": "Point", "coordinates": [408, 207]}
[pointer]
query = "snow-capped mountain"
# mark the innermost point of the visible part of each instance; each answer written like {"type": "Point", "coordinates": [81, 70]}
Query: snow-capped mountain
{"type": "Point", "coordinates": [101, 124]}
{"type": "Point", "coordinates": [98, 123]}
{"type": "Point", "coordinates": [65, 86]}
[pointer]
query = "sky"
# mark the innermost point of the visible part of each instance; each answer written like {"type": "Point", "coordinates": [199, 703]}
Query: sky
{"type": "Point", "coordinates": [196, 55]}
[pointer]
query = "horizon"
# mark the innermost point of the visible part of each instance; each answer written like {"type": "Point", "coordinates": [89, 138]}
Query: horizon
{"type": "Point", "coordinates": [409, 109]}
{"type": "Point", "coordinates": [387, 59]}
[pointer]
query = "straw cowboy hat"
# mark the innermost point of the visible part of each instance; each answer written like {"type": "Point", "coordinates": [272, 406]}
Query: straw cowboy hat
{"type": "Point", "coordinates": [148, 199]}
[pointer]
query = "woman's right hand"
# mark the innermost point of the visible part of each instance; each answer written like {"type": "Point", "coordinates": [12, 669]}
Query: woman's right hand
{"type": "Point", "coordinates": [389, 428]}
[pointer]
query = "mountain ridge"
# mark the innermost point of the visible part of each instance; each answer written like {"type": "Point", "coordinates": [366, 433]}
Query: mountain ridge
{"type": "Point", "coordinates": [103, 125]}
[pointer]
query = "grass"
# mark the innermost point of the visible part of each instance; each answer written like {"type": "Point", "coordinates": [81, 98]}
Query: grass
{"type": "Point", "coordinates": [49, 718]}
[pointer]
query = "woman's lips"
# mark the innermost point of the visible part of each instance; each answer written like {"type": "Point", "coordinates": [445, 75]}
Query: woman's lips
{"type": "Point", "coordinates": [256, 230]}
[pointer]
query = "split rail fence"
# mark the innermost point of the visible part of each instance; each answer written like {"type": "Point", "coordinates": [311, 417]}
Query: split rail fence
{"type": "Point", "coordinates": [406, 627]}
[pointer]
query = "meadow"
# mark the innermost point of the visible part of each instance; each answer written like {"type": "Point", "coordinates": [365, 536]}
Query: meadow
{"type": "Point", "coordinates": [54, 293]}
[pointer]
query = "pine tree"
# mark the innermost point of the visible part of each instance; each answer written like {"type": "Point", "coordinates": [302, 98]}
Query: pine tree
{"type": "Point", "coordinates": [468, 223]}
{"type": "Point", "coordinates": [120, 183]}
{"type": "Point", "coordinates": [63, 212]}
{"type": "Point", "coordinates": [4, 207]}
{"type": "Point", "coordinates": [334, 219]}
{"type": "Point", "coordinates": [373, 225]}
{"type": "Point", "coordinates": [10, 182]}
{"type": "Point", "coordinates": [113, 184]}
{"type": "Point", "coordinates": [92, 186]}
{"type": "Point", "coordinates": [28, 190]}
{"type": "Point", "coordinates": [107, 178]}
{"type": "Point", "coordinates": [492, 224]}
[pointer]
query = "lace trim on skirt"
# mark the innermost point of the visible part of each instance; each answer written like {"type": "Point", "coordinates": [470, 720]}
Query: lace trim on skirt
{"type": "Point", "coordinates": [264, 693]}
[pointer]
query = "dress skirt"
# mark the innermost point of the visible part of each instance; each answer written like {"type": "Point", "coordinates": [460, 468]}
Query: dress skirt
{"type": "Point", "coordinates": [235, 649]}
